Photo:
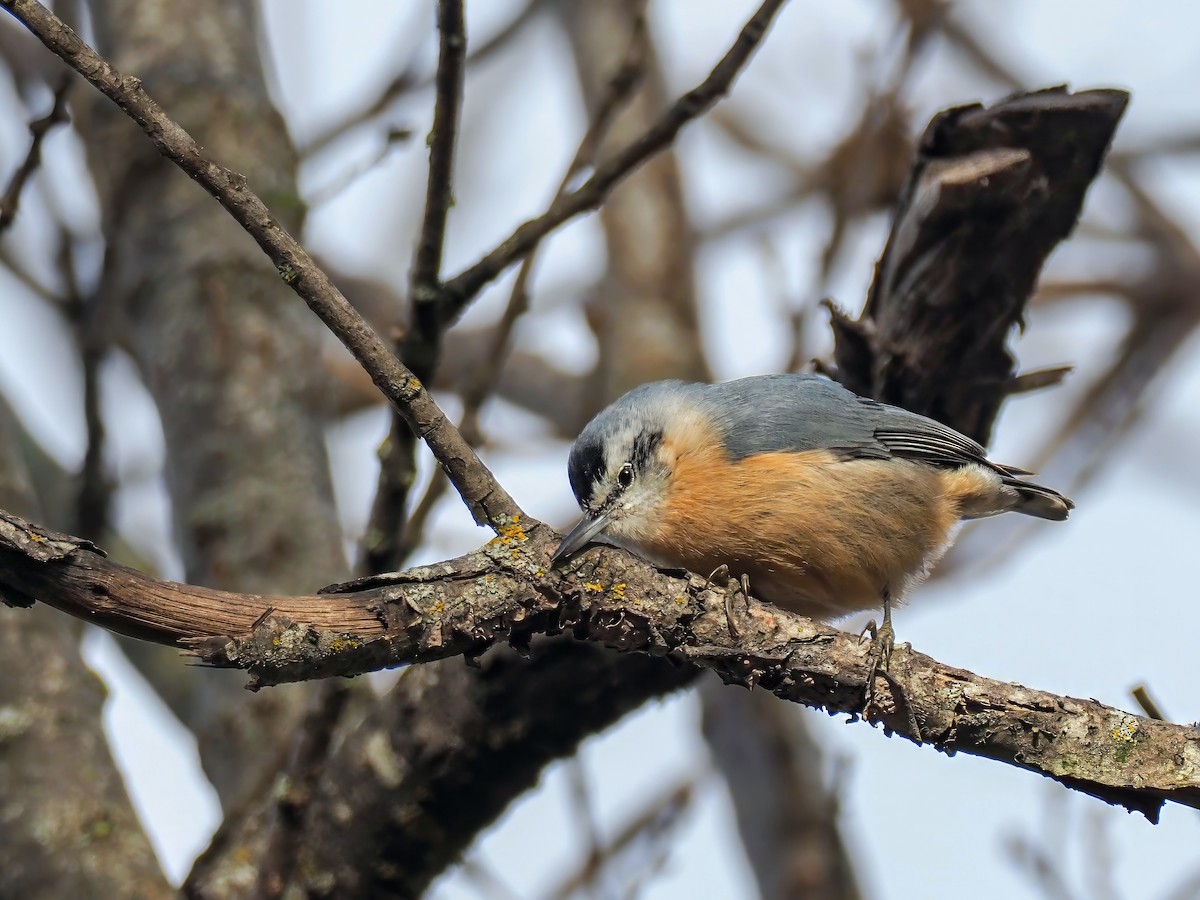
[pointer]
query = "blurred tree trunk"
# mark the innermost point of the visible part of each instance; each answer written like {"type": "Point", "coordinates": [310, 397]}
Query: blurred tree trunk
{"type": "Point", "coordinates": [224, 347]}
{"type": "Point", "coordinates": [787, 813]}
{"type": "Point", "coordinates": [67, 828]}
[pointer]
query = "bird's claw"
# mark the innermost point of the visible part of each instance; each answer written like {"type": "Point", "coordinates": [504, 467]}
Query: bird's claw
{"type": "Point", "coordinates": [744, 582]}
{"type": "Point", "coordinates": [883, 638]}
{"type": "Point", "coordinates": [883, 642]}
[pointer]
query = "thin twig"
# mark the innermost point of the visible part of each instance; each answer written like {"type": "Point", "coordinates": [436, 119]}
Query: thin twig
{"type": "Point", "coordinates": [488, 501]}
{"type": "Point", "coordinates": [491, 886]}
{"type": "Point", "coordinates": [415, 524]}
{"type": "Point", "coordinates": [38, 129]}
{"type": "Point", "coordinates": [439, 186]}
{"type": "Point", "coordinates": [1141, 694]}
{"type": "Point", "coordinates": [18, 268]}
{"type": "Point", "coordinates": [389, 538]}
{"type": "Point", "coordinates": [410, 80]}
{"type": "Point", "coordinates": [651, 825]}
{"type": "Point", "coordinates": [617, 94]}
{"type": "Point", "coordinates": [93, 338]}
{"type": "Point", "coordinates": [335, 187]}
{"type": "Point", "coordinates": [591, 873]}
{"type": "Point", "coordinates": [460, 290]}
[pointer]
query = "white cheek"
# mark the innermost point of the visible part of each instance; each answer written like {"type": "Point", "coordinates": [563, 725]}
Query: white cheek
{"type": "Point", "coordinates": [636, 518]}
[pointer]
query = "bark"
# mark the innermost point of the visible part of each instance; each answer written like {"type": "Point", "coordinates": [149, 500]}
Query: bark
{"type": "Point", "coordinates": [222, 346]}
{"type": "Point", "coordinates": [992, 191]}
{"type": "Point", "coordinates": [427, 770]}
{"type": "Point", "coordinates": [504, 593]}
{"type": "Point", "coordinates": [75, 836]}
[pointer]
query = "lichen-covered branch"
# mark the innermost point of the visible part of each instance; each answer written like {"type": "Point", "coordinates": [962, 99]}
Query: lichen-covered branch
{"type": "Point", "coordinates": [505, 593]}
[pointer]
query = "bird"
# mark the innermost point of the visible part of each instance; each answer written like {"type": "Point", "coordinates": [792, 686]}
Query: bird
{"type": "Point", "coordinates": [824, 503]}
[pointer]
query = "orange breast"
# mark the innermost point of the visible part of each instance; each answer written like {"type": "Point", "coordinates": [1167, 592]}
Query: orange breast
{"type": "Point", "coordinates": [814, 534]}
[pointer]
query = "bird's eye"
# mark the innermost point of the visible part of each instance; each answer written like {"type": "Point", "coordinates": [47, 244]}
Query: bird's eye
{"type": "Point", "coordinates": [625, 476]}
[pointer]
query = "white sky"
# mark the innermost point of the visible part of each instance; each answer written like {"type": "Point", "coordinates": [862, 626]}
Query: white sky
{"type": "Point", "coordinates": [1088, 608]}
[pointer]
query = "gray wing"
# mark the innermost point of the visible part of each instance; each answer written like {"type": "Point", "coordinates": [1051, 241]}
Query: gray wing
{"type": "Point", "coordinates": [806, 412]}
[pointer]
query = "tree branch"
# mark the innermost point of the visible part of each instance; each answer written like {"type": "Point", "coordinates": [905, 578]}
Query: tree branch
{"type": "Point", "coordinates": [992, 192]}
{"type": "Point", "coordinates": [488, 501]}
{"type": "Point", "coordinates": [385, 546]}
{"type": "Point", "coordinates": [439, 187]}
{"type": "Point", "coordinates": [505, 593]}
{"type": "Point", "coordinates": [459, 291]}
{"type": "Point", "coordinates": [38, 129]}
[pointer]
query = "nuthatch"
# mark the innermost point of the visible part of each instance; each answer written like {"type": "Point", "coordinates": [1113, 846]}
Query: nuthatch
{"type": "Point", "coordinates": [826, 501]}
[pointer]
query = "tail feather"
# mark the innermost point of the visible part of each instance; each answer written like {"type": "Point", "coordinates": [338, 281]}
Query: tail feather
{"type": "Point", "coordinates": [1036, 500]}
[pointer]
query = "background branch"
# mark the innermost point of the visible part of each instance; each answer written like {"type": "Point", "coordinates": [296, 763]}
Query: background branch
{"type": "Point", "coordinates": [458, 291]}
{"type": "Point", "coordinates": [485, 498]}
{"type": "Point", "coordinates": [388, 538]}
{"type": "Point", "coordinates": [38, 129]}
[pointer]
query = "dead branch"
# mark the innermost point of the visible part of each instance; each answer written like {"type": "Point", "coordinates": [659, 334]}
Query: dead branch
{"type": "Point", "coordinates": [998, 177]}
{"type": "Point", "coordinates": [505, 593]}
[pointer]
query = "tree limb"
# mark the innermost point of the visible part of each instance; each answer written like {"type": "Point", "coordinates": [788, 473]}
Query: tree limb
{"type": "Point", "coordinates": [439, 196]}
{"type": "Point", "coordinates": [992, 191]}
{"type": "Point", "coordinates": [505, 593]}
{"type": "Point", "coordinates": [385, 545]}
{"type": "Point", "coordinates": [38, 129]}
{"type": "Point", "coordinates": [488, 502]}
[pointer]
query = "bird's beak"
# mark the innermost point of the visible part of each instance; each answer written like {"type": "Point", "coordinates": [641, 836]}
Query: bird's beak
{"type": "Point", "coordinates": [588, 527]}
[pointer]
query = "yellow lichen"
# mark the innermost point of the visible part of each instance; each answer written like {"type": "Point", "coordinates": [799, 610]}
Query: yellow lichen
{"type": "Point", "coordinates": [618, 590]}
{"type": "Point", "coordinates": [341, 644]}
{"type": "Point", "coordinates": [594, 586]}
{"type": "Point", "coordinates": [1125, 731]}
{"type": "Point", "coordinates": [1125, 736]}
{"type": "Point", "coordinates": [510, 534]}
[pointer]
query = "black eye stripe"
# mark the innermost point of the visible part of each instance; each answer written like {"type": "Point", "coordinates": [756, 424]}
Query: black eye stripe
{"type": "Point", "coordinates": [644, 446]}
{"type": "Point", "coordinates": [587, 470]}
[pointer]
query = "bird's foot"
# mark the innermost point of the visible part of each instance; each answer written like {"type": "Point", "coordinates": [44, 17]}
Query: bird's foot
{"type": "Point", "coordinates": [743, 581]}
{"type": "Point", "coordinates": [883, 642]}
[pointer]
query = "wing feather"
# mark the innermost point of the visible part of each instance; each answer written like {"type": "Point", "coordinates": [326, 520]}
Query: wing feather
{"type": "Point", "coordinates": [806, 412]}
